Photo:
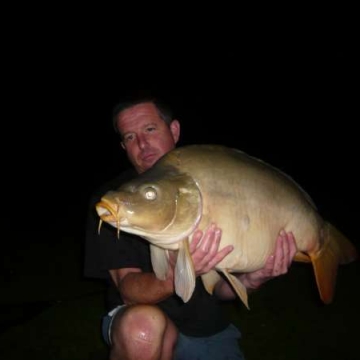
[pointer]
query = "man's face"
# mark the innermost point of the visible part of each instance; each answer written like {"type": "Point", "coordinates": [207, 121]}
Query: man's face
{"type": "Point", "coordinates": [145, 136]}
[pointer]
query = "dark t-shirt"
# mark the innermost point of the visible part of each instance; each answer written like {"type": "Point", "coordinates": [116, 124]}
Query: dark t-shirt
{"type": "Point", "coordinates": [202, 315]}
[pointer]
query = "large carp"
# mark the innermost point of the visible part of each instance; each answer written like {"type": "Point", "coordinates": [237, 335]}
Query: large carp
{"type": "Point", "coordinates": [194, 185]}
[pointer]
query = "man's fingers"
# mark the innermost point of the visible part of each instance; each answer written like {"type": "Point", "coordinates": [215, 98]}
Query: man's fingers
{"type": "Point", "coordinates": [204, 249]}
{"type": "Point", "coordinates": [198, 234]}
{"type": "Point", "coordinates": [223, 252]}
{"type": "Point", "coordinates": [292, 247]}
{"type": "Point", "coordinates": [285, 252]}
{"type": "Point", "coordinates": [214, 243]}
{"type": "Point", "coordinates": [279, 255]}
{"type": "Point", "coordinates": [207, 248]}
{"type": "Point", "coordinates": [210, 264]}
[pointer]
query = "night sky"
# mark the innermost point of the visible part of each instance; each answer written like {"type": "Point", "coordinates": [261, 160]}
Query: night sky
{"type": "Point", "coordinates": [288, 100]}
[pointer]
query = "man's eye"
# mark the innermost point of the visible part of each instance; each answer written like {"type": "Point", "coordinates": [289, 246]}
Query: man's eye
{"type": "Point", "coordinates": [128, 138]}
{"type": "Point", "coordinates": [150, 128]}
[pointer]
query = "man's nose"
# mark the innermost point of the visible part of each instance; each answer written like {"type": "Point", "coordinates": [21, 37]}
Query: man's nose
{"type": "Point", "coordinates": [142, 141]}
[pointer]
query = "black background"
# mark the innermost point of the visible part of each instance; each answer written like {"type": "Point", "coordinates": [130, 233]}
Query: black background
{"type": "Point", "coordinates": [286, 93]}
{"type": "Point", "coordinates": [278, 82]}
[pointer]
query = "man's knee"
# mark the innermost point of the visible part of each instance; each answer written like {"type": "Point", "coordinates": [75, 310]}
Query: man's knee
{"type": "Point", "coordinates": [141, 329]}
{"type": "Point", "coordinates": [140, 322]}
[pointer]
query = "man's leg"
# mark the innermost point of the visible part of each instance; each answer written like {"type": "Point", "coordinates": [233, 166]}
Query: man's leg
{"type": "Point", "coordinates": [223, 345]}
{"type": "Point", "coordinates": [142, 332]}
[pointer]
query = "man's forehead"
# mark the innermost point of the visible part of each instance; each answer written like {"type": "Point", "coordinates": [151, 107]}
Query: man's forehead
{"type": "Point", "coordinates": [138, 113]}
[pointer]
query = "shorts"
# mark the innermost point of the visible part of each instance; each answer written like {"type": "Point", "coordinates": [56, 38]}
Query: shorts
{"type": "Point", "coordinates": [221, 346]}
{"type": "Point", "coordinates": [107, 323]}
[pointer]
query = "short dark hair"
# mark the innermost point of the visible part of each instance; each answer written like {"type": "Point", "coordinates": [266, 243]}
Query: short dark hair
{"type": "Point", "coordinates": [164, 110]}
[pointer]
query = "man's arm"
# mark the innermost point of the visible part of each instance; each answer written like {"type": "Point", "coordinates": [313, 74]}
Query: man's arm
{"type": "Point", "coordinates": [137, 287]}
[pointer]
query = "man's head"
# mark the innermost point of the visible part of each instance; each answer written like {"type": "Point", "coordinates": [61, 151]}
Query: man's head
{"type": "Point", "coordinates": [147, 129]}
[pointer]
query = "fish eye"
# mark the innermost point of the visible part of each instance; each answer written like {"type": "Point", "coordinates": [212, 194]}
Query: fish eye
{"type": "Point", "coordinates": [150, 193]}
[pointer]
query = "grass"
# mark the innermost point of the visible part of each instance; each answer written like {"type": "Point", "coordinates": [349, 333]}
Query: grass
{"type": "Point", "coordinates": [49, 311]}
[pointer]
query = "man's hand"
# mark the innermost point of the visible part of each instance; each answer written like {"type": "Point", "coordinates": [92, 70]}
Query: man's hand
{"type": "Point", "coordinates": [277, 264]}
{"type": "Point", "coordinates": [204, 249]}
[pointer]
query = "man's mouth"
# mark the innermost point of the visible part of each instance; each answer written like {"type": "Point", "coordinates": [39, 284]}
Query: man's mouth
{"type": "Point", "coordinates": [148, 157]}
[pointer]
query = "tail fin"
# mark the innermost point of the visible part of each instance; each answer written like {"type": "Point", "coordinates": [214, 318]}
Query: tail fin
{"type": "Point", "coordinates": [336, 250]}
{"type": "Point", "coordinates": [346, 250]}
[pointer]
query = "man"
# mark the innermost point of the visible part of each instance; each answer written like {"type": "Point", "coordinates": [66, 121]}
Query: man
{"type": "Point", "coordinates": [155, 323]}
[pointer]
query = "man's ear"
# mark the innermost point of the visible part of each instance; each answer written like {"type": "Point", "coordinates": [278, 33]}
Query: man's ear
{"type": "Point", "coordinates": [175, 130]}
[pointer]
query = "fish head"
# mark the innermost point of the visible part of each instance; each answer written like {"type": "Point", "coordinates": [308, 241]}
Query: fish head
{"type": "Point", "coordinates": [160, 206]}
{"type": "Point", "coordinates": [149, 206]}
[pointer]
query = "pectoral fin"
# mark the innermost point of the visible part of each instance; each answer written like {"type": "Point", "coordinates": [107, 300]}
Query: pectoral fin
{"type": "Point", "coordinates": [239, 288]}
{"type": "Point", "coordinates": [159, 261]}
{"type": "Point", "coordinates": [184, 272]}
{"type": "Point", "coordinates": [209, 280]}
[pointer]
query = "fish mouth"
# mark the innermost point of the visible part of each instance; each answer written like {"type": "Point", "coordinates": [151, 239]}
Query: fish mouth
{"type": "Point", "coordinates": [106, 211]}
{"type": "Point", "coordinates": [109, 214]}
